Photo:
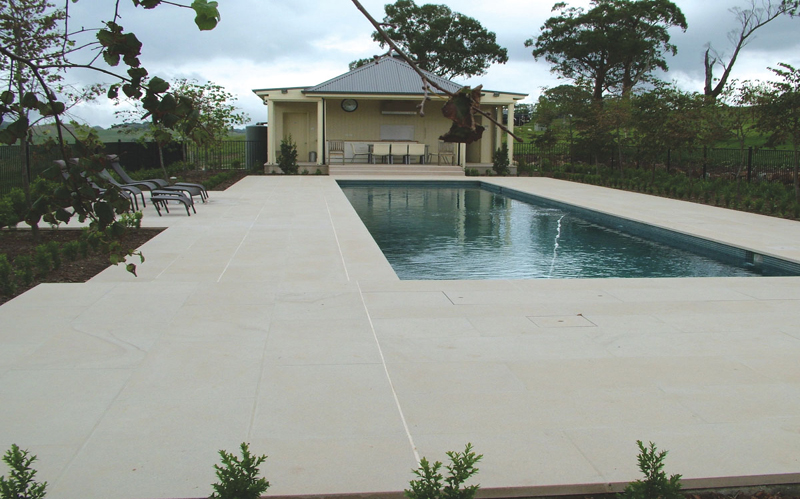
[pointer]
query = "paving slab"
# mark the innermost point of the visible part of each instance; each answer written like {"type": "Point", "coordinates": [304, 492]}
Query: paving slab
{"type": "Point", "coordinates": [272, 317]}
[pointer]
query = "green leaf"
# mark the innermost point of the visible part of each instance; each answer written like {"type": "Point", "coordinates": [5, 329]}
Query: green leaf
{"type": "Point", "coordinates": [147, 4]}
{"type": "Point", "coordinates": [50, 109]}
{"type": "Point", "coordinates": [131, 267]}
{"type": "Point", "coordinates": [169, 120]}
{"type": "Point", "coordinates": [63, 215]}
{"type": "Point", "coordinates": [113, 91]}
{"type": "Point", "coordinates": [30, 100]}
{"type": "Point", "coordinates": [7, 97]}
{"type": "Point", "coordinates": [19, 128]}
{"type": "Point", "coordinates": [7, 137]}
{"type": "Point", "coordinates": [157, 85]}
{"type": "Point", "coordinates": [167, 104]}
{"type": "Point", "coordinates": [104, 213]}
{"type": "Point", "coordinates": [207, 15]}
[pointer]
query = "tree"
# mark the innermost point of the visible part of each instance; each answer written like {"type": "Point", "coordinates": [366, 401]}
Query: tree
{"type": "Point", "coordinates": [440, 41]}
{"type": "Point", "coordinates": [778, 112]}
{"type": "Point", "coordinates": [217, 115]}
{"type": "Point", "coordinates": [75, 195]}
{"type": "Point", "coordinates": [666, 118]}
{"type": "Point", "coordinates": [750, 20]}
{"type": "Point", "coordinates": [30, 27]}
{"type": "Point", "coordinates": [613, 46]}
{"type": "Point", "coordinates": [558, 109]}
{"type": "Point", "coordinates": [218, 112]}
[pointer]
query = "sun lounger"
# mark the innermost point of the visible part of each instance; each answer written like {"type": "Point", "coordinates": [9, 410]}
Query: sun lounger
{"type": "Point", "coordinates": [161, 198]}
{"type": "Point", "coordinates": [157, 183]}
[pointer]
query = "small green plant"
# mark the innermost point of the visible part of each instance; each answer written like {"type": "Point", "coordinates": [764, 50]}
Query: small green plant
{"type": "Point", "coordinates": [7, 284]}
{"type": "Point", "coordinates": [20, 483]}
{"type": "Point", "coordinates": [238, 478]}
{"type": "Point", "coordinates": [42, 260]}
{"type": "Point", "coordinates": [131, 220]}
{"type": "Point", "coordinates": [500, 160]}
{"type": "Point", "coordinates": [318, 172]}
{"type": "Point", "coordinates": [655, 485]}
{"type": "Point", "coordinates": [70, 250]}
{"type": "Point", "coordinates": [55, 253]}
{"type": "Point", "coordinates": [83, 247]}
{"type": "Point", "coordinates": [429, 484]}
{"type": "Point", "coordinates": [23, 268]}
{"type": "Point", "coordinates": [472, 172]}
{"type": "Point", "coordinates": [287, 157]}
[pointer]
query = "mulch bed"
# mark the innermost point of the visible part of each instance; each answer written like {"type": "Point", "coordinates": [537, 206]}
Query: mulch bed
{"type": "Point", "coordinates": [20, 242]}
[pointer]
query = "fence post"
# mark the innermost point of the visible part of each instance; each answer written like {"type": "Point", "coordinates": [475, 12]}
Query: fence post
{"type": "Point", "coordinates": [705, 160]}
{"type": "Point", "coordinates": [749, 163]}
{"type": "Point", "coordinates": [28, 161]}
{"type": "Point", "coordinates": [669, 158]}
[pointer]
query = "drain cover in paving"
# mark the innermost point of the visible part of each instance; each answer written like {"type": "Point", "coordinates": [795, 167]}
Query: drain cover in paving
{"type": "Point", "coordinates": [562, 321]}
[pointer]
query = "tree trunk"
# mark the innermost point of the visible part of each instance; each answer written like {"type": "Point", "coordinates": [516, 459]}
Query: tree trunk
{"type": "Point", "coordinates": [796, 181]}
{"type": "Point", "coordinates": [161, 160]}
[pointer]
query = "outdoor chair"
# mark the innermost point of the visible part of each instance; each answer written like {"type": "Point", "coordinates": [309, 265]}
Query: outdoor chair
{"type": "Point", "coordinates": [125, 192]}
{"type": "Point", "coordinates": [157, 183]}
{"type": "Point", "coordinates": [360, 149]}
{"type": "Point", "coordinates": [335, 148]}
{"type": "Point", "coordinates": [445, 152]}
{"type": "Point", "coordinates": [135, 191]}
{"type": "Point", "coordinates": [381, 150]}
{"type": "Point", "coordinates": [399, 150]}
{"type": "Point", "coordinates": [161, 198]}
{"type": "Point", "coordinates": [416, 151]}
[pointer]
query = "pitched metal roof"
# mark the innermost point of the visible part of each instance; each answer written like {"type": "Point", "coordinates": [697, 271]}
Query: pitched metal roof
{"type": "Point", "coordinates": [388, 75]}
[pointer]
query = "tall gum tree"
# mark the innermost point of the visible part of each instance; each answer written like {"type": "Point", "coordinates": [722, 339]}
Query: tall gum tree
{"type": "Point", "coordinates": [757, 14]}
{"type": "Point", "coordinates": [442, 42]}
{"type": "Point", "coordinates": [614, 45]}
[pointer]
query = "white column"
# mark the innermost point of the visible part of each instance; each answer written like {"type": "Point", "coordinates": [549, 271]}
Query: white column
{"type": "Point", "coordinates": [498, 132]}
{"type": "Point", "coordinates": [509, 138]}
{"type": "Point", "coordinates": [271, 130]}
{"type": "Point", "coordinates": [320, 125]}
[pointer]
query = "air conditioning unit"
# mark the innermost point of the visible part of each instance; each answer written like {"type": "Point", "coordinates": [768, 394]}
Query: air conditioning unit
{"type": "Point", "coordinates": [403, 107]}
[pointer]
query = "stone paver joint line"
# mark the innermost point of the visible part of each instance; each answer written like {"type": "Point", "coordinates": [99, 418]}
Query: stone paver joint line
{"type": "Point", "coordinates": [388, 376]}
{"type": "Point", "coordinates": [336, 236]}
{"type": "Point", "coordinates": [241, 243]}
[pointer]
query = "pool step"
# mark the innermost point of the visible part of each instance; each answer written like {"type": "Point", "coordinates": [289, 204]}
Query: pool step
{"type": "Point", "coordinates": [395, 169]}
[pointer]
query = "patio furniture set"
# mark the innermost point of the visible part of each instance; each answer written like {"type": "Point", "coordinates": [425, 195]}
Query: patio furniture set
{"type": "Point", "coordinates": [161, 192]}
{"type": "Point", "coordinates": [386, 152]}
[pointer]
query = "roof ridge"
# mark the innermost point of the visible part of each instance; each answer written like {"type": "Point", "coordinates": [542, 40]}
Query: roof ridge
{"type": "Point", "coordinates": [338, 83]}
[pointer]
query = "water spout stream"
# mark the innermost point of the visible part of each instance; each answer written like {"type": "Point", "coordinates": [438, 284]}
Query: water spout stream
{"type": "Point", "coordinates": [555, 248]}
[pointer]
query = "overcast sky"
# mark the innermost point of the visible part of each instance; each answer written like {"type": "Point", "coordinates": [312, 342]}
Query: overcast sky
{"type": "Point", "coordinates": [279, 43]}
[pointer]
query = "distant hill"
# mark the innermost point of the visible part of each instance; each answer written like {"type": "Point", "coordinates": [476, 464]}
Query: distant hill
{"type": "Point", "coordinates": [125, 133]}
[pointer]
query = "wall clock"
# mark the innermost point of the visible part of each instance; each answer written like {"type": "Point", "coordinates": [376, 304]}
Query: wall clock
{"type": "Point", "coordinates": [349, 105]}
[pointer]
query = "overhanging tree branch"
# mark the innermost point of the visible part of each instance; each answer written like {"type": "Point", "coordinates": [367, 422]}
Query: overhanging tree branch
{"type": "Point", "coordinates": [427, 82]}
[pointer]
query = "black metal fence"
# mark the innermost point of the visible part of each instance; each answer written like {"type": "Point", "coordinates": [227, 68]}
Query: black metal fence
{"type": "Point", "coordinates": [229, 155]}
{"type": "Point", "coordinates": [750, 164]}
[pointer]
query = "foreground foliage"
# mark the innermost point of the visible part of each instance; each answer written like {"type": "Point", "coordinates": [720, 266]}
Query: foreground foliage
{"type": "Point", "coordinates": [766, 198]}
{"type": "Point", "coordinates": [21, 483]}
{"type": "Point", "coordinates": [655, 484]}
{"type": "Point", "coordinates": [429, 484]}
{"type": "Point", "coordinates": [238, 478]}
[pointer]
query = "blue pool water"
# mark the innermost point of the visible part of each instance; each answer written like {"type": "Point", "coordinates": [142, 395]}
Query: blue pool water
{"type": "Point", "coordinates": [451, 232]}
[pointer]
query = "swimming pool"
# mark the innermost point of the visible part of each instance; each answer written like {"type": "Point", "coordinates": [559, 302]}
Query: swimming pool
{"type": "Point", "coordinates": [462, 230]}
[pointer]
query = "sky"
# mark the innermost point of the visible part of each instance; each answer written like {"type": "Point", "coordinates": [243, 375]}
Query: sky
{"type": "Point", "coordinates": [295, 43]}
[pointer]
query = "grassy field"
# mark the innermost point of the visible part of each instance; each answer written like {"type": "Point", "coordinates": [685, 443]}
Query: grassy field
{"type": "Point", "coordinates": [124, 133]}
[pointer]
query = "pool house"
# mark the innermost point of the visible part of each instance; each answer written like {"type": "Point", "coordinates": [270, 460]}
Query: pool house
{"type": "Point", "coordinates": [370, 115]}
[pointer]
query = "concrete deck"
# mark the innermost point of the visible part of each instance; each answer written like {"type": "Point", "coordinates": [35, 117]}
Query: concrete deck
{"type": "Point", "coordinates": [271, 317]}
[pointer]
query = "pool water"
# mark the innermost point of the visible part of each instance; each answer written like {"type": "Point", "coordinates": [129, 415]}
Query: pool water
{"type": "Point", "coordinates": [451, 233]}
